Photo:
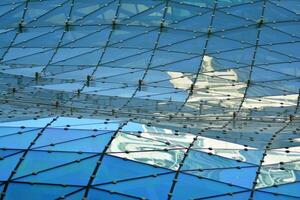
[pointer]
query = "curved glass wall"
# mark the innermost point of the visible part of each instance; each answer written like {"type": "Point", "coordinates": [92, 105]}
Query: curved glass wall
{"type": "Point", "coordinates": [154, 99]}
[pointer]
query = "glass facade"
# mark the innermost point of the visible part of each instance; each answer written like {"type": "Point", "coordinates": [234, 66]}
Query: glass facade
{"type": "Point", "coordinates": [153, 99]}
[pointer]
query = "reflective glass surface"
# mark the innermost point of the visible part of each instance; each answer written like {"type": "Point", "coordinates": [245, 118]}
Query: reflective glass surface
{"type": "Point", "coordinates": [153, 99]}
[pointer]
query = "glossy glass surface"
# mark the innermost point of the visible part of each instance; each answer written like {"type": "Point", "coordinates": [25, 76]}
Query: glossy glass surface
{"type": "Point", "coordinates": [153, 99]}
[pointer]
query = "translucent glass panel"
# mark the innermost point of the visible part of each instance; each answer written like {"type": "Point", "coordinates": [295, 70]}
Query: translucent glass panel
{"type": "Point", "coordinates": [68, 42]}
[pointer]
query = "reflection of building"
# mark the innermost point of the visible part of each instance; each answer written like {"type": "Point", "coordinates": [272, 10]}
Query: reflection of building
{"type": "Point", "coordinates": [270, 177]}
{"type": "Point", "coordinates": [223, 86]}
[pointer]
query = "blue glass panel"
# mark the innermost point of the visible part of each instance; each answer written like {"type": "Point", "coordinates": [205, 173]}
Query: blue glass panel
{"type": "Point", "coordinates": [224, 44]}
{"type": "Point", "coordinates": [264, 74]}
{"type": "Point", "coordinates": [267, 36]}
{"type": "Point", "coordinates": [6, 7]}
{"type": "Point", "coordinates": [60, 135]}
{"type": "Point", "coordinates": [41, 37]}
{"type": "Point", "coordinates": [89, 144]}
{"type": "Point", "coordinates": [155, 188]}
{"type": "Point", "coordinates": [40, 58]}
{"type": "Point", "coordinates": [141, 61]}
{"type": "Point", "coordinates": [36, 123]}
{"type": "Point", "coordinates": [84, 124]}
{"type": "Point", "coordinates": [287, 189]}
{"type": "Point", "coordinates": [224, 21]}
{"type": "Point", "coordinates": [190, 45]}
{"type": "Point", "coordinates": [239, 55]}
{"type": "Point", "coordinates": [240, 177]}
{"type": "Point", "coordinates": [80, 37]}
{"type": "Point", "coordinates": [149, 16]}
{"type": "Point", "coordinates": [105, 13]}
{"type": "Point", "coordinates": [95, 194]}
{"type": "Point", "coordinates": [37, 160]}
{"type": "Point", "coordinates": [110, 170]}
{"type": "Point", "coordinates": [38, 9]}
{"type": "Point", "coordinates": [193, 187]}
{"type": "Point", "coordinates": [170, 37]}
{"type": "Point", "coordinates": [7, 165]}
{"type": "Point", "coordinates": [18, 141]}
{"type": "Point", "coordinates": [82, 9]}
{"type": "Point", "coordinates": [76, 196]}
{"type": "Point", "coordinates": [190, 65]}
{"type": "Point", "coordinates": [6, 38]}
{"type": "Point", "coordinates": [17, 53]}
{"type": "Point", "coordinates": [134, 40]}
{"type": "Point", "coordinates": [123, 33]}
{"type": "Point", "coordinates": [289, 5]}
{"type": "Point", "coordinates": [77, 173]}
{"type": "Point", "coordinates": [114, 74]}
{"type": "Point", "coordinates": [89, 58]}
{"type": "Point", "coordinates": [132, 62]}
{"type": "Point", "coordinates": [113, 54]}
{"type": "Point", "coordinates": [267, 57]}
{"type": "Point", "coordinates": [263, 196]}
{"type": "Point", "coordinates": [287, 48]}
{"type": "Point", "coordinates": [132, 8]}
{"type": "Point", "coordinates": [278, 13]}
{"type": "Point", "coordinates": [7, 152]}
{"type": "Point", "coordinates": [48, 14]}
{"type": "Point", "coordinates": [67, 53]}
{"type": "Point", "coordinates": [13, 130]}
{"type": "Point", "coordinates": [2, 52]}
{"type": "Point", "coordinates": [12, 17]}
{"type": "Point", "coordinates": [198, 23]}
{"type": "Point", "coordinates": [131, 126]}
{"type": "Point", "coordinates": [246, 10]}
{"type": "Point", "coordinates": [165, 57]}
{"type": "Point", "coordinates": [235, 196]}
{"type": "Point", "coordinates": [36, 192]}
{"type": "Point", "coordinates": [198, 4]}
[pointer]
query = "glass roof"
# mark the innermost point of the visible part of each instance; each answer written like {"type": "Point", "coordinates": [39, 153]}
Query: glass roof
{"type": "Point", "coordinates": [153, 99]}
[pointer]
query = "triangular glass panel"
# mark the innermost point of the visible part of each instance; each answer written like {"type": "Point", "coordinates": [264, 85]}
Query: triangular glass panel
{"type": "Point", "coordinates": [7, 165]}
{"type": "Point", "coordinates": [52, 16]}
{"type": "Point", "coordinates": [42, 160]}
{"type": "Point", "coordinates": [242, 177]}
{"type": "Point", "coordinates": [75, 173]}
{"type": "Point", "coordinates": [36, 192]}
{"type": "Point", "coordinates": [95, 194]}
{"type": "Point", "coordinates": [115, 169]}
{"type": "Point", "coordinates": [286, 189]}
{"type": "Point", "coordinates": [189, 186]}
{"type": "Point", "coordinates": [263, 196]}
{"type": "Point", "coordinates": [150, 188]}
